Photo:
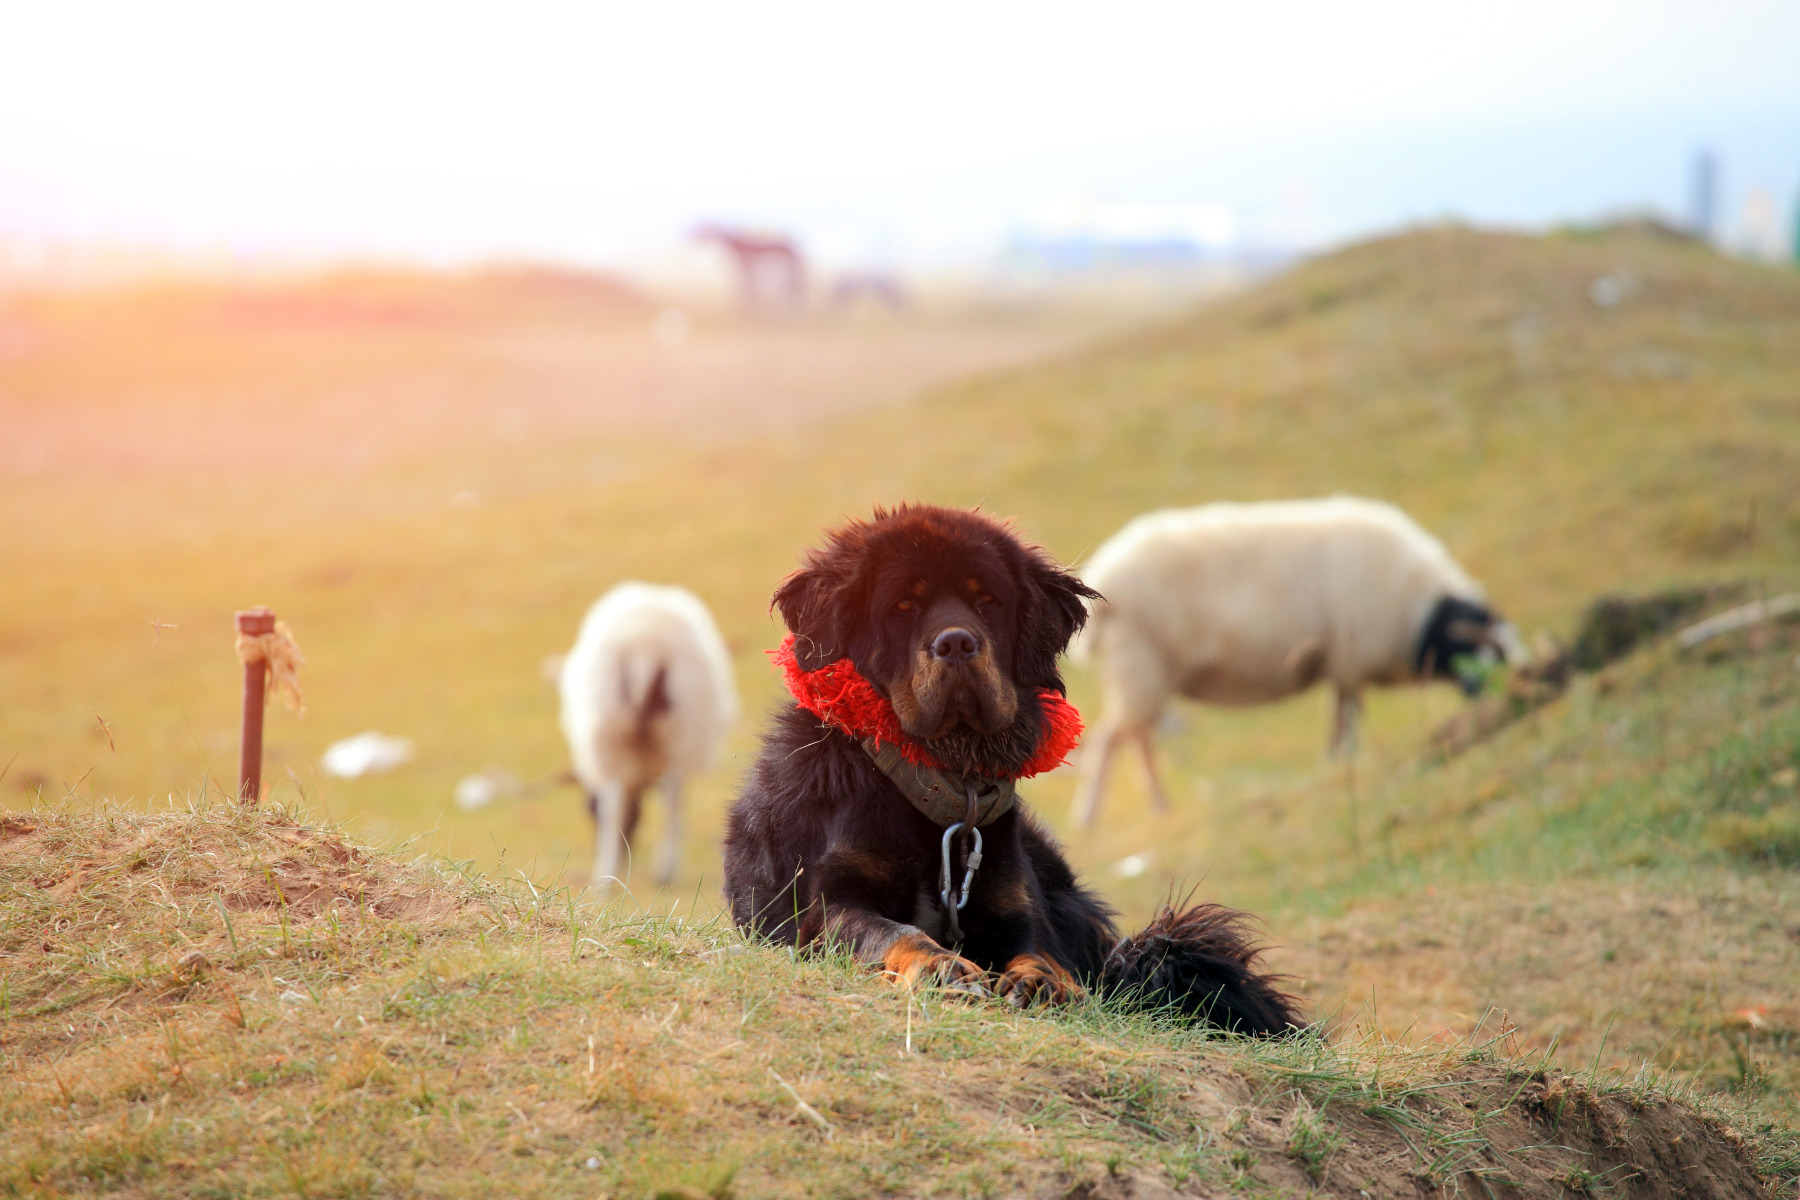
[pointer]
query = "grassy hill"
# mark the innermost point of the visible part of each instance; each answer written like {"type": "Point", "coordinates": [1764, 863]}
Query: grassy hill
{"type": "Point", "coordinates": [210, 1001]}
{"type": "Point", "coordinates": [1574, 414]}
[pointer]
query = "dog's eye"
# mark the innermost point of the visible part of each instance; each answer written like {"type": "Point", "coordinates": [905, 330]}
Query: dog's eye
{"type": "Point", "coordinates": [985, 600]}
{"type": "Point", "coordinates": [904, 606]}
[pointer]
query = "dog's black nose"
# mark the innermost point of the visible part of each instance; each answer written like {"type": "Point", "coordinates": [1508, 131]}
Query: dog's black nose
{"type": "Point", "coordinates": [955, 645]}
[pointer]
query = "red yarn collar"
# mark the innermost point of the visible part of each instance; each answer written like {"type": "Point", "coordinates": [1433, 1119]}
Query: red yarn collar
{"type": "Point", "coordinates": [838, 695]}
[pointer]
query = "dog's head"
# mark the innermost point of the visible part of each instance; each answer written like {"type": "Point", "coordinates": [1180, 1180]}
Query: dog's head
{"type": "Point", "coordinates": [950, 615]}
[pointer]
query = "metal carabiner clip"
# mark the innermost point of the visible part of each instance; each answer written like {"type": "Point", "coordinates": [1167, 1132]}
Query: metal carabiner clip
{"type": "Point", "coordinates": [947, 892]}
{"type": "Point", "coordinates": [946, 888]}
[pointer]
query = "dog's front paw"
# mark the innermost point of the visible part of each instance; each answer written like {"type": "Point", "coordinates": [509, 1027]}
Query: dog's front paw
{"type": "Point", "coordinates": [1034, 979]}
{"type": "Point", "coordinates": [914, 959]}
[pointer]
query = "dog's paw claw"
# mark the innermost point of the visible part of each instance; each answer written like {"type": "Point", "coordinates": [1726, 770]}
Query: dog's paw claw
{"type": "Point", "coordinates": [1030, 980]}
{"type": "Point", "coordinates": [954, 973]}
{"type": "Point", "coordinates": [923, 962]}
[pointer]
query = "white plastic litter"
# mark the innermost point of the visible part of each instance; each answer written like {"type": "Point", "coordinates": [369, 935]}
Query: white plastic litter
{"type": "Point", "coordinates": [368, 753]}
{"type": "Point", "coordinates": [1133, 865]}
{"type": "Point", "coordinates": [476, 791]}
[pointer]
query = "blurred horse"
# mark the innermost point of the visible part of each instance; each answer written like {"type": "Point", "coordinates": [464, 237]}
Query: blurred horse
{"type": "Point", "coordinates": [771, 270]}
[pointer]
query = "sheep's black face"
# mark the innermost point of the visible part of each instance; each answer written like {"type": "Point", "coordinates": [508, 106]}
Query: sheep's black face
{"type": "Point", "coordinates": [1459, 637]}
{"type": "Point", "coordinates": [951, 616]}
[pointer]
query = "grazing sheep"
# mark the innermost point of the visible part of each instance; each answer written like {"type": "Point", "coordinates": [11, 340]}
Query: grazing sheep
{"type": "Point", "coordinates": [1250, 603]}
{"type": "Point", "coordinates": [647, 696]}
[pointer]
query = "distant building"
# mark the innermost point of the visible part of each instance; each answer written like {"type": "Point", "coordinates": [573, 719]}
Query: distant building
{"type": "Point", "coordinates": [1703, 188]}
{"type": "Point", "coordinates": [1072, 235]}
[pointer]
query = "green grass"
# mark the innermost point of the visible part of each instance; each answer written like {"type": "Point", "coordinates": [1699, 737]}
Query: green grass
{"type": "Point", "coordinates": [1608, 872]}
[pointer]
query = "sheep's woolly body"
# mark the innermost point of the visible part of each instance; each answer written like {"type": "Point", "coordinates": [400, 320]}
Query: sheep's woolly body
{"type": "Point", "coordinates": [631, 633]}
{"type": "Point", "coordinates": [647, 696]}
{"type": "Point", "coordinates": [1247, 603]}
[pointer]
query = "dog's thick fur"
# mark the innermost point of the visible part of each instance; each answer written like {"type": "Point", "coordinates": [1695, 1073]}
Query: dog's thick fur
{"type": "Point", "coordinates": [822, 848]}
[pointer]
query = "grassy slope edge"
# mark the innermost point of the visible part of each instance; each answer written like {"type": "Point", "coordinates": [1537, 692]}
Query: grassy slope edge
{"type": "Point", "coordinates": [209, 1001]}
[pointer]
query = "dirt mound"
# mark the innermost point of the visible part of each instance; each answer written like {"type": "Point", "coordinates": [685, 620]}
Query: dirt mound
{"type": "Point", "coordinates": [1614, 626]}
{"type": "Point", "coordinates": [1542, 1136]}
{"type": "Point", "coordinates": [185, 893]}
{"type": "Point", "coordinates": [268, 863]}
{"type": "Point", "coordinates": [1455, 1121]}
{"type": "Point", "coordinates": [1536, 1137]}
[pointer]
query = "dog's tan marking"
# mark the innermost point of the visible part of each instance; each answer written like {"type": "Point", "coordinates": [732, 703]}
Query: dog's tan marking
{"type": "Point", "coordinates": [1037, 979]}
{"type": "Point", "coordinates": [872, 868]}
{"type": "Point", "coordinates": [915, 958]}
{"type": "Point", "coordinates": [1011, 898]}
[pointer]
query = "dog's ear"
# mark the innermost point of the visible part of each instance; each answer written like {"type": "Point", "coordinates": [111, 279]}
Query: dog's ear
{"type": "Point", "coordinates": [818, 603]}
{"type": "Point", "coordinates": [1055, 612]}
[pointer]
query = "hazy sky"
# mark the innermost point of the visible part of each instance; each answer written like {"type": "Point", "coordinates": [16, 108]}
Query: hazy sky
{"type": "Point", "coordinates": [601, 131]}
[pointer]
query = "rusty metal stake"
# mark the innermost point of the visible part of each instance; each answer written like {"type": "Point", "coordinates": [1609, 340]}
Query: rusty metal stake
{"type": "Point", "coordinates": [253, 622]}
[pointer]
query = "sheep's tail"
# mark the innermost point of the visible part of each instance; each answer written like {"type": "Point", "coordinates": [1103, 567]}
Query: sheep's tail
{"type": "Point", "coordinates": [1202, 963]}
{"type": "Point", "coordinates": [643, 692]}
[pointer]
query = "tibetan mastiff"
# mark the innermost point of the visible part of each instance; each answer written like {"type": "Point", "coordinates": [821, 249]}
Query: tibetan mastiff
{"type": "Point", "coordinates": [881, 814]}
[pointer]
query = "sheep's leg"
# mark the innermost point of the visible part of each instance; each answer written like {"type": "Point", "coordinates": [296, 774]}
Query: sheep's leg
{"type": "Point", "coordinates": [669, 858]}
{"type": "Point", "coordinates": [1146, 740]}
{"type": "Point", "coordinates": [1344, 722]}
{"type": "Point", "coordinates": [1096, 761]}
{"type": "Point", "coordinates": [634, 808]}
{"type": "Point", "coordinates": [608, 839]}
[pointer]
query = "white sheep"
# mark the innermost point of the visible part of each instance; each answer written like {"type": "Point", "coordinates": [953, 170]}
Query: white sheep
{"type": "Point", "coordinates": [1250, 603]}
{"type": "Point", "coordinates": [647, 696]}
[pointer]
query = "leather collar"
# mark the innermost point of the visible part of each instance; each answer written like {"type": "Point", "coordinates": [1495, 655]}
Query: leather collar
{"type": "Point", "coordinates": [942, 796]}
